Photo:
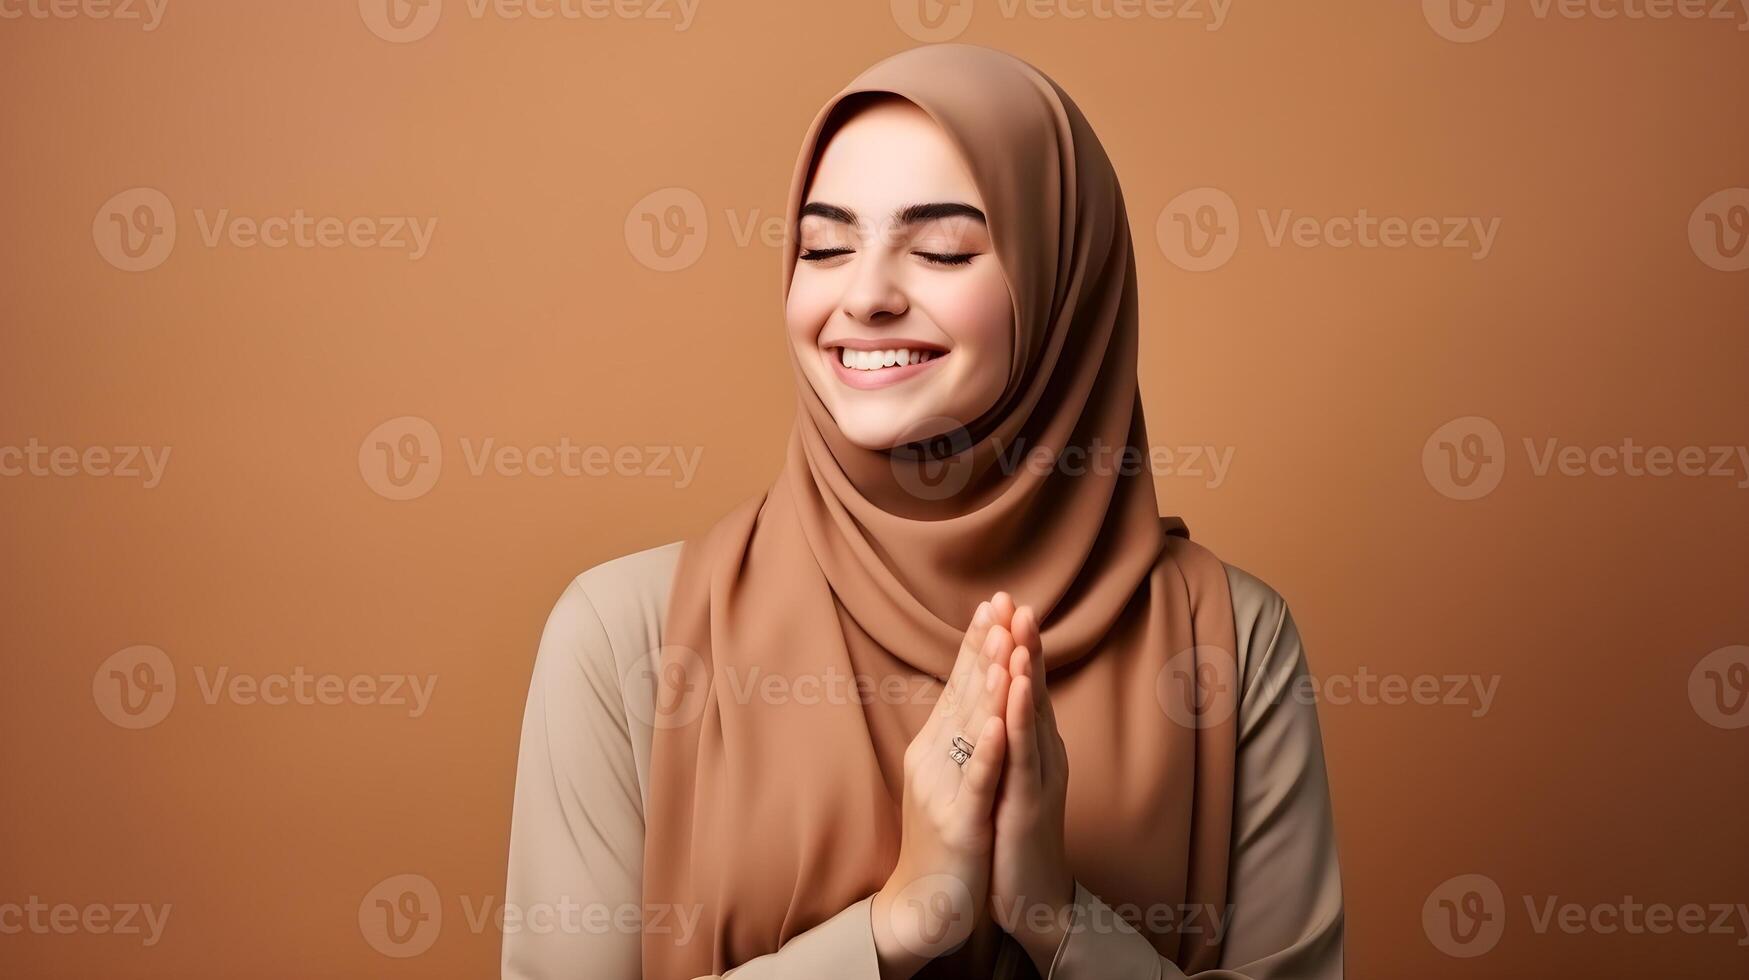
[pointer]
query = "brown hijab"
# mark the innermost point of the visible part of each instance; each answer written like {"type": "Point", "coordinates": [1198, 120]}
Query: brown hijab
{"type": "Point", "coordinates": [775, 780]}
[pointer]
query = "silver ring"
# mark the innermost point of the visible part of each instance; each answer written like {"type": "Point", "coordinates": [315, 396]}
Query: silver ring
{"type": "Point", "coordinates": [961, 751]}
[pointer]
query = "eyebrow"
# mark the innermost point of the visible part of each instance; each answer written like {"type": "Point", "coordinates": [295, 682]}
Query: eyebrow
{"type": "Point", "coordinates": [909, 215]}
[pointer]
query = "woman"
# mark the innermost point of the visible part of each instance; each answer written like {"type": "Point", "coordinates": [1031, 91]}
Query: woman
{"type": "Point", "coordinates": [950, 698]}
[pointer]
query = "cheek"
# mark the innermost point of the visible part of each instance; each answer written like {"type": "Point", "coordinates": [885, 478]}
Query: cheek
{"type": "Point", "coordinates": [976, 312]}
{"type": "Point", "coordinates": [807, 308]}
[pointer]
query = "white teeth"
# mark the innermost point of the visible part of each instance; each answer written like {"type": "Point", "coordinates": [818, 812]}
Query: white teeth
{"type": "Point", "coordinates": [874, 360]}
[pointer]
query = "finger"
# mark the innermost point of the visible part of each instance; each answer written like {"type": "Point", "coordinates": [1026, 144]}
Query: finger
{"type": "Point", "coordinates": [1026, 634]}
{"type": "Point", "coordinates": [1002, 608]}
{"type": "Point", "coordinates": [1022, 724]}
{"type": "Point", "coordinates": [967, 668]}
{"type": "Point", "coordinates": [984, 768]}
{"type": "Point", "coordinates": [997, 647]}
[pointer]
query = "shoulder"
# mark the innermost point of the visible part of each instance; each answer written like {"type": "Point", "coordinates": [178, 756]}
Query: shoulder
{"type": "Point", "coordinates": [613, 611]}
{"type": "Point", "coordinates": [629, 584]}
{"type": "Point", "coordinates": [1269, 652]}
{"type": "Point", "coordinates": [1259, 611]}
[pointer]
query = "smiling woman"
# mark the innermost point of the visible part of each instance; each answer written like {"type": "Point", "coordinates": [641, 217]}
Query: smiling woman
{"type": "Point", "coordinates": [1105, 729]}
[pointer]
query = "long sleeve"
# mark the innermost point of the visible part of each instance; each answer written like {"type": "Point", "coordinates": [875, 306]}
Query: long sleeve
{"type": "Point", "coordinates": [1285, 915]}
{"type": "Point", "coordinates": [577, 825]}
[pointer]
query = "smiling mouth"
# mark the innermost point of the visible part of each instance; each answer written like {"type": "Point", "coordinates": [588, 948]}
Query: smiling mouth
{"type": "Point", "coordinates": [880, 367]}
{"type": "Point", "coordinates": [880, 360]}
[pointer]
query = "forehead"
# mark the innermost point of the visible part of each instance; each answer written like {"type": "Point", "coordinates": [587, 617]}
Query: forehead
{"type": "Point", "coordinates": [889, 154]}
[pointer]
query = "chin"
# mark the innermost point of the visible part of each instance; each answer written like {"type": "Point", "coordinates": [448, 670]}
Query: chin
{"type": "Point", "coordinates": [874, 437]}
{"type": "Point", "coordinates": [886, 433]}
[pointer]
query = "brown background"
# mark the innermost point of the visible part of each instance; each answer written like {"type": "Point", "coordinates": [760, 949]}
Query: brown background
{"type": "Point", "coordinates": [1591, 598]}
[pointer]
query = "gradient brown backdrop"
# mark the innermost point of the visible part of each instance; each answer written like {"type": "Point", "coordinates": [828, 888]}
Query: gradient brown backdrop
{"type": "Point", "coordinates": [1611, 305]}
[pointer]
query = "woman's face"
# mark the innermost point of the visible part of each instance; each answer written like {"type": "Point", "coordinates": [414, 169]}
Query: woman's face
{"type": "Point", "coordinates": [895, 274]}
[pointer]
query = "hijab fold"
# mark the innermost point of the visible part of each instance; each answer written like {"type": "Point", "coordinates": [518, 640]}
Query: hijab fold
{"type": "Point", "coordinates": [797, 619]}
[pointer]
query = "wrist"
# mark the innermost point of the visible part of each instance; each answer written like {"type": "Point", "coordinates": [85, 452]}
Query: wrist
{"type": "Point", "coordinates": [896, 962]}
{"type": "Point", "coordinates": [1043, 927]}
{"type": "Point", "coordinates": [918, 917]}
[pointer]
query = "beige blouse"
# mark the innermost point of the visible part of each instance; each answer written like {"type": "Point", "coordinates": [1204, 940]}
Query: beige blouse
{"type": "Point", "coordinates": [577, 829]}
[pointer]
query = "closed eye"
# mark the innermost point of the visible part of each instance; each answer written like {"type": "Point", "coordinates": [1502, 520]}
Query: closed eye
{"type": "Point", "coordinates": [938, 258]}
{"type": "Point", "coordinates": [949, 258]}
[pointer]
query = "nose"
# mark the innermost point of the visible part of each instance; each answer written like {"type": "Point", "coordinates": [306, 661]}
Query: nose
{"type": "Point", "coordinates": [874, 293]}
